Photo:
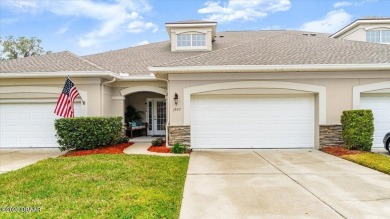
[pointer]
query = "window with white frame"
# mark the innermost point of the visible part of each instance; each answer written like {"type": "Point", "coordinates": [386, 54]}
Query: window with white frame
{"type": "Point", "coordinates": [191, 40]}
{"type": "Point", "coordinates": [378, 36]}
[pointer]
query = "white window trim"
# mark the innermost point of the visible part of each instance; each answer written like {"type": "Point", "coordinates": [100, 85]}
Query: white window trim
{"type": "Point", "coordinates": [191, 47]}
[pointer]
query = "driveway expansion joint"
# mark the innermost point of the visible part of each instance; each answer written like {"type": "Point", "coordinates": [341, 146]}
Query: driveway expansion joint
{"type": "Point", "coordinates": [230, 174]}
{"type": "Point", "coordinates": [301, 185]}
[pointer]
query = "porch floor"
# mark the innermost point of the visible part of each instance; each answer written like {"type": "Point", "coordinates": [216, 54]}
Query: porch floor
{"type": "Point", "coordinates": [145, 138]}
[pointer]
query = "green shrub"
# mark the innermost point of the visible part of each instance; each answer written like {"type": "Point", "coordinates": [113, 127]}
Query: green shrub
{"type": "Point", "coordinates": [157, 142]}
{"type": "Point", "coordinates": [358, 129]}
{"type": "Point", "coordinates": [82, 133]}
{"type": "Point", "coordinates": [179, 148]}
{"type": "Point", "coordinates": [122, 139]}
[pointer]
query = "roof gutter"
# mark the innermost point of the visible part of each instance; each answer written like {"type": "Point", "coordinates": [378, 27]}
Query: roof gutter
{"type": "Point", "coordinates": [270, 68]}
{"type": "Point", "coordinates": [86, 74]}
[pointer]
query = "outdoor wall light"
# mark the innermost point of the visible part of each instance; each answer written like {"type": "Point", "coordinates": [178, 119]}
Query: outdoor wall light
{"type": "Point", "coordinates": [176, 98]}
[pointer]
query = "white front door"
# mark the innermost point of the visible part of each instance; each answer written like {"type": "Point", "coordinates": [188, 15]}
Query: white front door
{"type": "Point", "coordinates": [156, 116]}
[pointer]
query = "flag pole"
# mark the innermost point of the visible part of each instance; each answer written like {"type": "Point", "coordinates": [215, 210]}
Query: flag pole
{"type": "Point", "coordinates": [82, 101]}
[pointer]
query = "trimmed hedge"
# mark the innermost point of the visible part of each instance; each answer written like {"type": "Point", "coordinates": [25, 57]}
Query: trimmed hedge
{"type": "Point", "coordinates": [358, 129]}
{"type": "Point", "coordinates": [83, 133]}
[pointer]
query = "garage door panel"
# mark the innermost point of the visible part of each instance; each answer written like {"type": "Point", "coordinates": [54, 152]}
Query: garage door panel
{"type": "Point", "coordinates": [29, 124]}
{"type": "Point", "coordinates": [380, 106]}
{"type": "Point", "coordinates": [252, 122]}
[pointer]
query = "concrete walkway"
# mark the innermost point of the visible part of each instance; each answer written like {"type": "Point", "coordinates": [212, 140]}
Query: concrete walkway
{"type": "Point", "coordinates": [282, 184]}
{"type": "Point", "coordinates": [13, 159]}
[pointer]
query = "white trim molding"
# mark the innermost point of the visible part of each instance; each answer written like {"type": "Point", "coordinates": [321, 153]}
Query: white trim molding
{"type": "Point", "coordinates": [42, 89]}
{"type": "Point", "coordinates": [357, 90]}
{"type": "Point", "coordinates": [136, 89]}
{"type": "Point", "coordinates": [319, 90]}
{"type": "Point", "coordinates": [118, 98]}
{"type": "Point", "coordinates": [270, 68]}
{"type": "Point", "coordinates": [357, 23]}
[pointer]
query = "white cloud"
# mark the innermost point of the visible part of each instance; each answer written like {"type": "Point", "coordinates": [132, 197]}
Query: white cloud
{"type": "Point", "coordinates": [273, 27]}
{"type": "Point", "coordinates": [243, 10]}
{"type": "Point", "coordinates": [348, 3]}
{"type": "Point", "coordinates": [112, 16]}
{"type": "Point", "coordinates": [142, 43]}
{"type": "Point", "coordinates": [333, 21]}
{"type": "Point", "coordinates": [62, 30]}
{"type": "Point", "coordinates": [139, 26]}
{"type": "Point", "coordinates": [88, 42]}
{"type": "Point", "coordinates": [342, 4]}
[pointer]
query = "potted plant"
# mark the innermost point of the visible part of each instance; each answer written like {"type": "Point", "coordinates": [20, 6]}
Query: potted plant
{"type": "Point", "coordinates": [132, 114]}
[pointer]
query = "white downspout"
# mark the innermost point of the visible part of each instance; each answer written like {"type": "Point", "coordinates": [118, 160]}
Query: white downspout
{"type": "Point", "coordinates": [102, 94]}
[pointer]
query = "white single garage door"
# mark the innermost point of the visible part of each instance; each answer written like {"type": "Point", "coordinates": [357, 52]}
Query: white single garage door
{"type": "Point", "coordinates": [27, 125]}
{"type": "Point", "coordinates": [380, 106]}
{"type": "Point", "coordinates": [252, 121]}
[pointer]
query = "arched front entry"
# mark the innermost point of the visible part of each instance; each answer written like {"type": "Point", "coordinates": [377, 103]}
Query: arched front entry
{"type": "Point", "coordinates": [150, 103]}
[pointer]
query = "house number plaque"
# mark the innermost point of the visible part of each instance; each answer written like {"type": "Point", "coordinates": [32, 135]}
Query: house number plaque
{"type": "Point", "coordinates": [176, 109]}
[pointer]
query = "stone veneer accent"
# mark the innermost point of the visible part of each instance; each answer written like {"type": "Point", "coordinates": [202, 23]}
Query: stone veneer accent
{"type": "Point", "coordinates": [330, 135]}
{"type": "Point", "coordinates": [180, 134]}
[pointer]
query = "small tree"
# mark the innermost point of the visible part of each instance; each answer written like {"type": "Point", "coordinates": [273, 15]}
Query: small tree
{"type": "Point", "coordinates": [21, 47]}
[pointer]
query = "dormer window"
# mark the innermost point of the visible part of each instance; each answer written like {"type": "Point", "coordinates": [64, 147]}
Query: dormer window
{"type": "Point", "coordinates": [378, 36]}
{"type": "Point", "coordinates": [191, 35]}
{"type": "Point", "coordinates": [186, 40]}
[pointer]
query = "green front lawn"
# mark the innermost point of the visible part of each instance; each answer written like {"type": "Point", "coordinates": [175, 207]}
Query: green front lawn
{"type": "Point", "coordinates": [96, 186]}
{"type": "Point", "coordinates": [374, 161]}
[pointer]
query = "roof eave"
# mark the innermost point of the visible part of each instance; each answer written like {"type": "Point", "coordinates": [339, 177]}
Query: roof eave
{"type": "Point", "coordinates": [356, 23]}
{"type": "Point", "coordinates": [85, 74]}
{"type": "Point", "coordinates": [269, 68]}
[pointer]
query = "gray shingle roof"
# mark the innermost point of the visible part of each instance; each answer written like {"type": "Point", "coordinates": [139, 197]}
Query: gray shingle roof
{"type": "Point", "coordinates": [291, 48]}
{"type": "Point", "coordinates": [136, 60]}
{"type": "Point", "coordinates": [374, 18]}
{"type": "Point", "coordinates": [273, 47]}
{"type": "Point", "coordinates": [52, 62]}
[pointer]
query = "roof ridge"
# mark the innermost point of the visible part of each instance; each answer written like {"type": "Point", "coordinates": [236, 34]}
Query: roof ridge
{"type": "Point", "coordinates": [86, 61]}
{"type": "Point", "coordinates": [124, 48]}
{"type": "Point", "coordinates": [223, 49]}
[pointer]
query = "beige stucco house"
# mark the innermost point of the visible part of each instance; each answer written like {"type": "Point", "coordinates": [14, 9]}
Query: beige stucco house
{"type": "Point", "coordinates": [238, 89]}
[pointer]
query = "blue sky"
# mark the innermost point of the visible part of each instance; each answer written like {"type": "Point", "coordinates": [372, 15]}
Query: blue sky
{"type": "Point", "coordinates": [92, 26]}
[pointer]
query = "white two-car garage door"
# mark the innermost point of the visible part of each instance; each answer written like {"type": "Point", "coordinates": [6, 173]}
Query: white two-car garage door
{"type": "Point", "coordinates": [380, 106]}
{"type": "Point", "coordinates": [235, 121]}
{"type": "Point", "coordinates": [27, 125]}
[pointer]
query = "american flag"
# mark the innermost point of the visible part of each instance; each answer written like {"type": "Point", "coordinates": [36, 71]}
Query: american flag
{"type": "Point", "coordinates": [64, 107]}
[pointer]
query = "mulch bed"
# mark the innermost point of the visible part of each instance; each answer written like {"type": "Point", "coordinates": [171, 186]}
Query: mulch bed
{"type": "Point", "coordinates": [160, 149]}
{"type": "Point", "coordinates": [111, 149]}
{"type": "Point", "coordinates": [339, 151]}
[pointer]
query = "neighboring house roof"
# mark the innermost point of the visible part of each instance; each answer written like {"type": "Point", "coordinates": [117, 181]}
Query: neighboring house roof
{"type": "Point", "coordinates": [52, 62]}
{"type": "Point", "coordinates": [290, 48]}
{"type": "Point", "coordinates": [368, 19]}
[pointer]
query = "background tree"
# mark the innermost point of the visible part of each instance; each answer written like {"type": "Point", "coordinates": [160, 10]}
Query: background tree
{"type": "Point", "coordinates": [12, 48]}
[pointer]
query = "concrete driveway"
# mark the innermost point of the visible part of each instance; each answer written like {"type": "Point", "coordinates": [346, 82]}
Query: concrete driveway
{"type": "Point", "coordinates": [282, 184]}
{"type": "Point", "coordinates": [13, 159]}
